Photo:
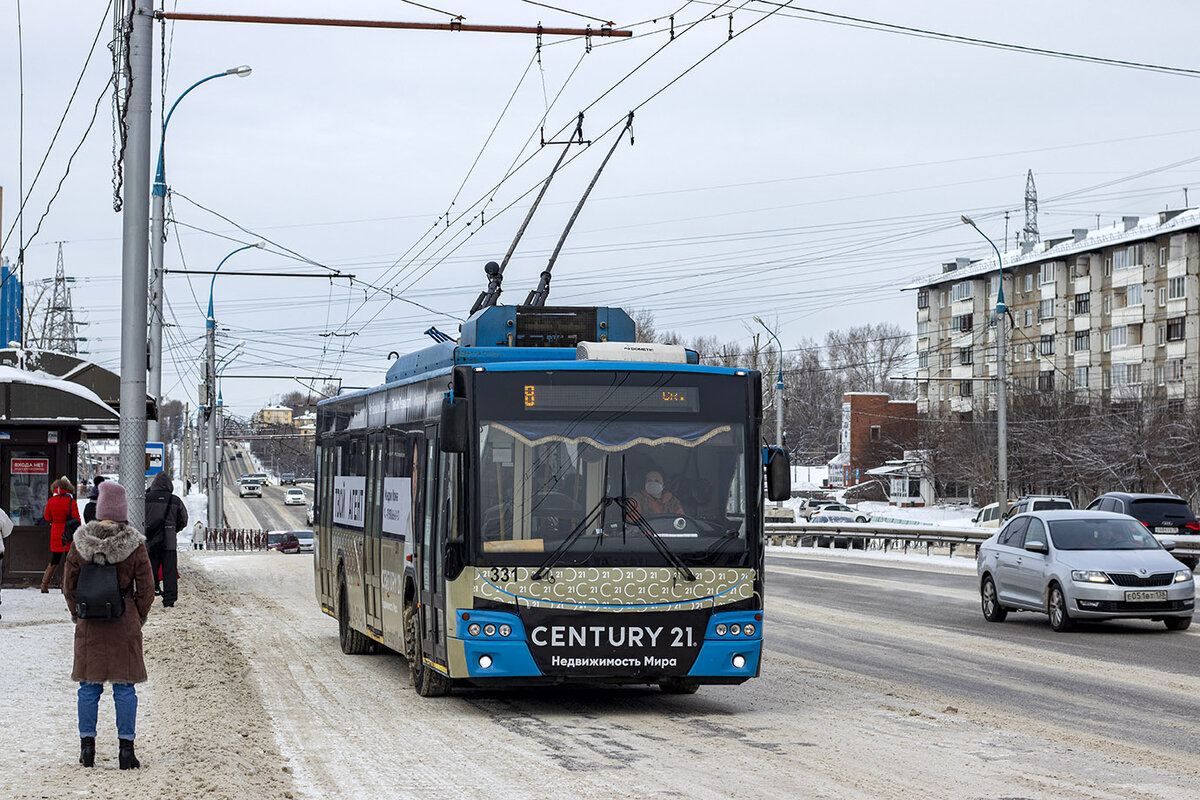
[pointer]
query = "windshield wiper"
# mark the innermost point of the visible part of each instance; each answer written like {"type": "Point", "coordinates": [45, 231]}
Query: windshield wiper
{"type": "Point", "coordinates": [635, 516]}
{"type": "Point", "coordinates": [597, 512]}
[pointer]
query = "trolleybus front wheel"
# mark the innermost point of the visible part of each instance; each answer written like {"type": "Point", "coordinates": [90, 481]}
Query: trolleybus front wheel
{"type": "Point", "coordinates": [678, 686]}
{"type": "Point", "coordinates": [427, 681]}
{"type": "Point", "coordinates": [353, 642]}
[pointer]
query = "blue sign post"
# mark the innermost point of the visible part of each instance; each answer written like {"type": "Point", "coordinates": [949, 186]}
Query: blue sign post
{"type": "Point", "coordinates": [155, 453]}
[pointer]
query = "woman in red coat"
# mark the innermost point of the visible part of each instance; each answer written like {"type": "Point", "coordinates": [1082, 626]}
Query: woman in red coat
{"type": "Point", "coordinates": [59, 508]}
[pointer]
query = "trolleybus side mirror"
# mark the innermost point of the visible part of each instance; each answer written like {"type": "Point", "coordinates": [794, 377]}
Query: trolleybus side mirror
{"type": "Point", "coordinates": [454, 433]}
{"type": "Point", "coordinates": [779, 473]}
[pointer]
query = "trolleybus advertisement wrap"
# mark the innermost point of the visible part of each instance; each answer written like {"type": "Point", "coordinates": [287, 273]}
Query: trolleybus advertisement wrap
{"type": "Point", "coordinates": [662, 643]}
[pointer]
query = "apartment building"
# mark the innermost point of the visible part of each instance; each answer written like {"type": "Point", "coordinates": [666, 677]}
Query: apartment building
{"type": "Point", "coordinates": [1109, 315]}
{"type": "Point", "coordinates": [271, 415]}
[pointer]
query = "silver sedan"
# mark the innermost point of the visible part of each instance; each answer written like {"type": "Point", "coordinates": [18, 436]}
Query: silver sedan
{"type": "Point", "coordinates": [1083, 565]}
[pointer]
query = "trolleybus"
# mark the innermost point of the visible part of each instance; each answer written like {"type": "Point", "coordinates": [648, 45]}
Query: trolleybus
{"type": "Point", "coordinates": [546, 501]}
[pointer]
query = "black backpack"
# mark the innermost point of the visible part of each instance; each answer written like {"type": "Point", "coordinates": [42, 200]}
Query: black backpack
{"type": "Point", "coordinates": [98, 593]}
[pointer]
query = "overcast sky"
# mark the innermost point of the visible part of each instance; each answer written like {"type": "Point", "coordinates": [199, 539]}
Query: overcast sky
{"type": "Point", "coordinates": [804, 171]}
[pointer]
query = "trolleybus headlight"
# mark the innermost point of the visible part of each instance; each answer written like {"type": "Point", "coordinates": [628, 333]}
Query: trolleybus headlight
{"type": "Point", "coordinates": [473, 629]}
{"type": "Point", "coordinates": [749, 629]}
{"type": "Point", "coordinates": [735, 629]}
{"type": "Point", "coordinates": [505, 630]}
{"type": "Point", "coordinates": [739, 661]}
{"type": "Point", "coordinates": [489, 630]}
{"type": "Point", "coordinates": [485, 661]}
{"type": "Point", "coordinates": [722, 629]}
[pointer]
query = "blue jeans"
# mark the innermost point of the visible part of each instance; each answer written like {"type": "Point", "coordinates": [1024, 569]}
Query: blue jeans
{"type": "Point", "coordinates": [125, 700]}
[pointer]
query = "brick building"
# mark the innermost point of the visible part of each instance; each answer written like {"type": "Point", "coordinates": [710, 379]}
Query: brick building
{"type": "Point", "coordinates": [875, 429]}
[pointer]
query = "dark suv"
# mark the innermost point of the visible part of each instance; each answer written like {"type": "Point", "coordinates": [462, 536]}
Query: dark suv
{"type": "Point", "coordinates": [1163, 514]}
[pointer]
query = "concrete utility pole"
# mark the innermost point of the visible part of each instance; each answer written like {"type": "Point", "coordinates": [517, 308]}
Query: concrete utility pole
{"type": "Point", "coordinates": [1001, 378]}
{"type": "Point", "coordinates": [135, 237]}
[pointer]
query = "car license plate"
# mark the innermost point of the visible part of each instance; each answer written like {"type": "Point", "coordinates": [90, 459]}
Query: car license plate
{"type": "Point", "coordinates": [1165, 529]}
{"type": "Point", "coordinates": [1134, 597]}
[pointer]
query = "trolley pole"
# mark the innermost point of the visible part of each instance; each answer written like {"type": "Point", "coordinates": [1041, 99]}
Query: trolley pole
{"type": "Point", "coordinates": [135, 235]}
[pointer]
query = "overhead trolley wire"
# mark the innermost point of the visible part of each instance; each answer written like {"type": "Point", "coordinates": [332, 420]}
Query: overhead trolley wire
{"type": "Point", "coordinates": [831, 18]}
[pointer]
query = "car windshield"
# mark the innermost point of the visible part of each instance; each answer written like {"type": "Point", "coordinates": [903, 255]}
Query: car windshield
{"type": "Point", "coordinates": [1101, 534]}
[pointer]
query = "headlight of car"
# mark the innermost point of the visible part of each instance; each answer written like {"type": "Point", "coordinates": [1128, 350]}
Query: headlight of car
{"type": "Point", "coordinates": [1183, 576]}
{"type": "Point", "coordinates": [1089, 576]}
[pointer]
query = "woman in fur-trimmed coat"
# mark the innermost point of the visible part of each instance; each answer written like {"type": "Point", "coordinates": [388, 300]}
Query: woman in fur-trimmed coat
{"type": "Point", "coordinates": [110, 651]}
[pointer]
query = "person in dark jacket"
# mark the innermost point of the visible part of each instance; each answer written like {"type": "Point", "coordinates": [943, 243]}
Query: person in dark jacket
{"type": "Point", "coordinates": [89, 508]}
{"type": "Point", "coordinates": [165, 516]}
{"type": "Point", "coordinates": [59, 508]}
{"type": "Point", "coordinates": [110, 650]}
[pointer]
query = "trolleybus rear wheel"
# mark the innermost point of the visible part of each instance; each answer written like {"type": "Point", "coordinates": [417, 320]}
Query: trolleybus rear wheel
{"type": "Point", "coordinates": [353, 642]}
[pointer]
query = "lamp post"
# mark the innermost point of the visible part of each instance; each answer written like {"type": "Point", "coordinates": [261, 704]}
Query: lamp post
{"type": "Point", "coordinates": [1001, 379]}
{"type": "Point", "coordinates": [778, 394]}
{"type": "Point", "coordinates": [159, 198]}
{"type": "Point", "coordinates": [212, 478]}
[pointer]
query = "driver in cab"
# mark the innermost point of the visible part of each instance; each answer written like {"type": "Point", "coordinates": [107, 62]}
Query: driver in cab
{"type": "Point", "coordinates": [653, 498]}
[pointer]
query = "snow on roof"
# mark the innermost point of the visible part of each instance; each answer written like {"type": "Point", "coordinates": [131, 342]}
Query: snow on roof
{"type": "Point", "coordinates": [1057, 248]}
{"type": "Point", "coordinates": [15, 375]}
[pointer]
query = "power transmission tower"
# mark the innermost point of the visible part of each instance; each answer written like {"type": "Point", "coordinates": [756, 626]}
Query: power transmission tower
{"type": "Point", "coordinates": [1029, 235]}
{"type": "Point", "coordinates": [60, 324]}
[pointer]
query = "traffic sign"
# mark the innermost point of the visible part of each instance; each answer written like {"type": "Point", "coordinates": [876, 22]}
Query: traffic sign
{"type": "Point", "coordinates": [155, 452]}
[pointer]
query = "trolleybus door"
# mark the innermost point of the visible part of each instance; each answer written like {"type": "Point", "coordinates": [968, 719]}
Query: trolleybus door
{"type": "Point", "coordinates": [372, 533]}
{"type": "Point", "coordinates": [428, 553]}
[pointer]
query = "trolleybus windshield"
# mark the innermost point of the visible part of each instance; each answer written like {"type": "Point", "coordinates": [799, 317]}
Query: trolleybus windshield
{"type": "Point", "coordinates": [565, 459]}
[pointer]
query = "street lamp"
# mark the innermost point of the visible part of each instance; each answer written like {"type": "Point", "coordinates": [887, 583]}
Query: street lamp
{"type": "Point", "coordinates": [212, 482]}
{"type": "Point", "coordinates": [778, 394]}
{"type": "Point", "coordinates": [1001, 379]}
{"type": "Point", "coordinates": [154, 387]}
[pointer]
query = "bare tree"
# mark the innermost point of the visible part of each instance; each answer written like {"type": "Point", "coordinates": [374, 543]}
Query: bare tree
{"type": "Point", "coordinates": [867, 355]}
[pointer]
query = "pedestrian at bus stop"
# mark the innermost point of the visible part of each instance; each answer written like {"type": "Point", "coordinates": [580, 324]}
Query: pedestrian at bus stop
{"type": "Point", "coordinates": [89, 508]}
{"type": "Point", "coordinates": [110, 650]}
{"type": "Point", "coordinates": [198, 535]}
{"type": "Point", "coordinates": [165, 517]}
{"type": "Point", "coordinates": [59, 508]}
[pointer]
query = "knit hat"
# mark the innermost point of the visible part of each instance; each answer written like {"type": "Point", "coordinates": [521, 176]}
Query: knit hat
{"type": "Point", "coordinates": [112, 504]}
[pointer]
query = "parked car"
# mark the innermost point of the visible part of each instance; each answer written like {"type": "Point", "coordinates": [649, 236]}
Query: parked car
{"type": "Point", "coordinates": [1166, 515]}
{"type": "Point", "coordinates": [306, 540]}
{"type": "Point", "coordinates": [1077, 566]}
{"type": "Point", "coordinates": [812, 507]}
{"type": "Point", "coordinates": [841, 508]}
{"type": "Point", "coordinates": [837, 540]}
{"type": "Point", "coordinates": [249, 488]}
{"type": "Point", "coordinates": [308, 515]}
{"type": "Point", "coordinates": [1038, 502]}
{"type": "Point", "coordinates": [294, 497]}
{"type": "Point", "coordinates": [287, 479]}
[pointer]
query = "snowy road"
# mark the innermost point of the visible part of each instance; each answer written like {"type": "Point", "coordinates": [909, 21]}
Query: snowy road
{"type": "Point", "coordinates": [883, 697]}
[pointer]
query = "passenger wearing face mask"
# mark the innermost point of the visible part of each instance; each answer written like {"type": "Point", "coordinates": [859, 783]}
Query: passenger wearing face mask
{"type": "Point", "coordinates": [654, 498]}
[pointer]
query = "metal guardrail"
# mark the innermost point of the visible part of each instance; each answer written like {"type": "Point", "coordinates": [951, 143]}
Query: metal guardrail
{"type": "Point", "coordinates": [891, 536]}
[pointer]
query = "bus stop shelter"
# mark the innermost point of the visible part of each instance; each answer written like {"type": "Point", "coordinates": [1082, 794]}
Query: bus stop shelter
{"type": "Point", "coordinates": [49, 402]}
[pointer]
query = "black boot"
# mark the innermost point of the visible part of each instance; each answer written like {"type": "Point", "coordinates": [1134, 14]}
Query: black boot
{"type": "Point", "coordinates": [125, 757]}
{"type": "Point", "coordinates": [87, 751]}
